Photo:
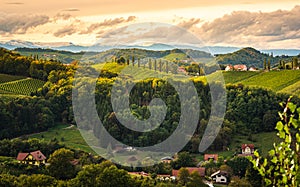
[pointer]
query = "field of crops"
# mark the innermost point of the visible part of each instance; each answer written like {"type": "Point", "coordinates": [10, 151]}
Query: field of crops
{"type": "Point", "coordinates": [8, 78]}
{"type": "Point", "coordinates": [238, 76]}
{"type": "Point", "coordinates": [274, 80]}
{"type": "Point", "coordinates": [293, 89]}
{"type": "Point", "coordinates": [22, 87]}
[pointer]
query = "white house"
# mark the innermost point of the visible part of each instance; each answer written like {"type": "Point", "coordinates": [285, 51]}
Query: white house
{"type": "Point", "coordinates": [219, 177]}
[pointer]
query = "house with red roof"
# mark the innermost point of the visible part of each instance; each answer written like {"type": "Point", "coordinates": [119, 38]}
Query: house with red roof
{"type": "Point", "coordinates": [240, 67]}
{"type": "Point", "coordinates": [247, 150]}
{"type": "Point", "coordinates": [208, 157]}
{"type": "Point", "coordinates": [200, 170]}
{"type": "Point", "coordinates": [34, 158]}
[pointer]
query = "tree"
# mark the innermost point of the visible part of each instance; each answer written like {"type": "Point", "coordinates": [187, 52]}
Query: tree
{"type": "Point", "coordinates": [132, 60]}
{"type": "Point", "coordinates": [195, 180]}
{"type": "Point", "coordinates": [36, 180]}
{"type": "Point", "coordinates": [184, 160]}
{"type": "Point", "coordinates": [265, 64]}
{"type": "Point", "coordinates": [121, 60]}
{"type": "Point", "coordinates": [281, 167]}
{"type": "Point", "coordinates": [183, 176]}
{"type": "Point", "coordinates": [112, 176]}
{"type": "Point", "coordinates": [295, 63]}
{"type": "Point", "coordinates": [89, 173]}
{"type": "Point", "coordinates": [60, 164]}
{"type": "Point", "coordinates": [269, 64]}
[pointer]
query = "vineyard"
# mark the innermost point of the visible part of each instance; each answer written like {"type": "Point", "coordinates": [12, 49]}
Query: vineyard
{"type": "Point", "coordinates": [22, 87]}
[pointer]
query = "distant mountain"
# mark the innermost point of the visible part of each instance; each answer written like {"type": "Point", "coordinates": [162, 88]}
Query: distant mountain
{"type": "Point", "coordinates": [69, 46]}
{"type": "Point", "coordinates": [187, 55]}
{"type": "Point", "coordinates": [280, 52]}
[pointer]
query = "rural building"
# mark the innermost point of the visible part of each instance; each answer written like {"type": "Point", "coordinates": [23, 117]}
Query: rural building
{"type": "Point", "coordinates": [200, 170]}
{"type": "Point", "coordinates": [208, 157]}
{"type": "Point", "coordinates": [34, 158]}
{"type": "Point", "coordinates": [229, 68]}
{"type": "Point", "coordinates": [240, 67]}
{"type": "Point", "coordinates": [253, 68]}
{"type": "Point", "coordinates": [166, 159]}
{"type": "Point", "coordinates": [220, 177]}
{"type": "Point", "coordinates": [247, 149]}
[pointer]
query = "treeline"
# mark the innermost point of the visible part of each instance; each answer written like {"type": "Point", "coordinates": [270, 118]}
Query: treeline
{"type": "Point", "coordinates": [15, 64]}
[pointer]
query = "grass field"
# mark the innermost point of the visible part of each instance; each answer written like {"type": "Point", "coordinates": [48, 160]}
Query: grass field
{"type": "Point", "coordinates": [8, 78]}
{"type": "Point", "coordinates": [70, 136]}
{"type": "Point", "coordinates": [21, 86]}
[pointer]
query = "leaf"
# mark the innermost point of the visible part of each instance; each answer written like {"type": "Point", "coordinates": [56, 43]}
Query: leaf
{"type": "Point", "coordinates": [279, 126]}
{"type": "Point", "coordinates": [272, 152]}
{"type": "Point", "coordinates": [256, 154]}
{"type": "Point", "coordinates": [274, 160]}
{"type": "Point", "coordinates": [292, 106]}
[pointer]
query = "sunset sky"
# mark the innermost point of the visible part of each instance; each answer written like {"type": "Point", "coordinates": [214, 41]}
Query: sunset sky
{"type": "Point", "coordinates": [260, 24]}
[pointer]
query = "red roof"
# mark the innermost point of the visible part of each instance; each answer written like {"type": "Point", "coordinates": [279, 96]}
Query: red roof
{"type": "Point", "coordinates": [37, 155]}
{"type": "Point", "coordinates": [240, 66]}
{"type": "Point", "coordinates": [210, 156]}
{"type": "Point", "coordinates": [201, 171]}
{"type": "Point", "coordinates": [251, 146]}
{"type": "Point", "coordinates": [22, 156]}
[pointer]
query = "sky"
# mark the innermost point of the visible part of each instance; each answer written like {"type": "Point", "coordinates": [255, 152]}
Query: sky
{"type": "Point", "coordinates": [264, 24]}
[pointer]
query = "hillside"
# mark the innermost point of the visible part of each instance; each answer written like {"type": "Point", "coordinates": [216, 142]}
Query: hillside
{"type": "Point", "coordinates": [96, 57]}
{"type": "Point", "coordinates": [248, 56]}
{"type": "Point", "coordinates": [285, 81]}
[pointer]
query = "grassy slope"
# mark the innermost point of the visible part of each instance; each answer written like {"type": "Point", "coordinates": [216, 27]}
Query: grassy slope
{"type": "Point", "coordinates": [286, 81]}
{"type": "Point", "coordinates": [69, 136]}
{"type": "Point", "coordinates": [8, 78]}
{"type": "Point", "coordinates": [274, 80]}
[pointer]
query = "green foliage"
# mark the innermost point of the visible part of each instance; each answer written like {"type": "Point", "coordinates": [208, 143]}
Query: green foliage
{"type": "Point", "coordinates": [281, 167]}
{"type": "Point", "coordinates": [184, 160]}
{"type": "Point", "coordinates": [60, 164]}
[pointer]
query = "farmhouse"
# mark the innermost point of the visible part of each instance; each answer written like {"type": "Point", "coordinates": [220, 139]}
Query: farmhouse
{"type": "Point", "coordinates": [219, 177]}
{"type": "Point", "coordinates": [247, 150]}
{"type": "Point", "coordinates": [208, 157]}
{"type": "Point", "coordinates": [34, 158]}
{"type": "Point", "coordinates": [166, 159]}
{"type": "Point", "coordinates": [252, 68]}
{"type": "Point", "coordinates": [229, 68]}
{"type": "Point", "coordinates": [240, 67]}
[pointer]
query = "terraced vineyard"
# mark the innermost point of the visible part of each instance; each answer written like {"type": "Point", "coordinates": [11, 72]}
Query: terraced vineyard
{"type": "Point", "coordinates": [21, 87]}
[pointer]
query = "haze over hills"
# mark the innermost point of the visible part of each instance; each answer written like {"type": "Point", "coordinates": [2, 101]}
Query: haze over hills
{"type": "Point", "coordinates": [69, 46]}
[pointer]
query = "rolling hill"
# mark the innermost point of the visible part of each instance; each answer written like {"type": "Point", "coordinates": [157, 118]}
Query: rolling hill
{"type": "Point", "coordinates": [285, 81]}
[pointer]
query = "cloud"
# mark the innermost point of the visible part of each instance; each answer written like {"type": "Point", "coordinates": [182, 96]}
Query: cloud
{"type": "Point", "coordinates": [148, 33]}
{"type": "Point", "coordinates": [189, 23]}
{"type": "Point", "coordinates": [71, 10]}
{"type": "Point", "coordinates": [14, 3]}
{"type": "Point", "coordinates": [62, 16]}
{"type": "Point", "coordinates": [245, 27]}
{"type": "Point", "coordinates": [107, 23]}
{"type": "Point", "coordinates": [19, 24]}
{"type": "Point", "coordinates": [67, 30]}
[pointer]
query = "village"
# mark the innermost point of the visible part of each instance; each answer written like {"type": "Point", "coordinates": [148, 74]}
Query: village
{"type": "Point", "coordinates": [220, 174]}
